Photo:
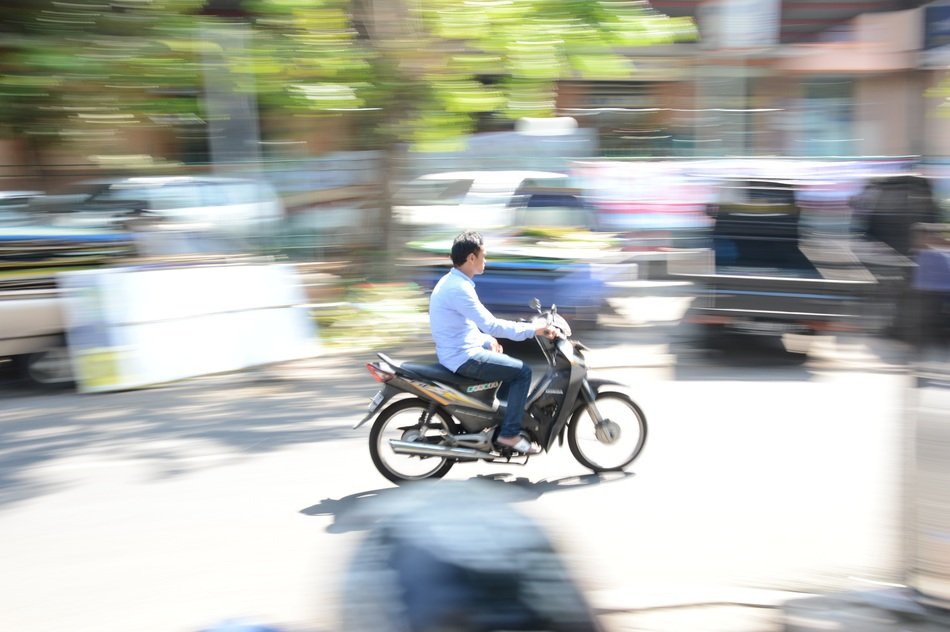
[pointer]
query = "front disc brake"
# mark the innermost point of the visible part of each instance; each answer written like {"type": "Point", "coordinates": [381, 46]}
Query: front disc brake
{"type": "Point", "coordinates": [607, 431]}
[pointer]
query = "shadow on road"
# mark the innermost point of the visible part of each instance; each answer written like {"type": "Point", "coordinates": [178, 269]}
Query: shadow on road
{"type": "Point", "coordinates": [174, 429]}
{"type": "Point", "coordinates": [358, 512]}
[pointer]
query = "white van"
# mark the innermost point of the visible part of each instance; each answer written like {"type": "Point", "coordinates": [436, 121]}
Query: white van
{"type": "Point", "coordinates": [203, 203]}
{"type": "Point", "coordinates": [467, 199]}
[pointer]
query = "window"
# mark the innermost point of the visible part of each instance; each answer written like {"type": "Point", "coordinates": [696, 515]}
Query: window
{"type": "Point", "coordinates": [172, 196]}
{"type": "Point", "coordinates": [827, 119]}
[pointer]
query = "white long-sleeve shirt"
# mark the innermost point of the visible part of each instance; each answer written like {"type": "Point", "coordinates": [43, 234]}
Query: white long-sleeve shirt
{"type": "Point", "coordinates": [461, 326]}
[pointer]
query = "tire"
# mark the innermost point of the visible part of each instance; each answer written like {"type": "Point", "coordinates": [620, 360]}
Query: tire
{"type": "Point", "coordinates": [596, 454]}
{"type": "Point", "coordinates": [50, 368]}
{"type": "Point", "coordinates": [398, 421]}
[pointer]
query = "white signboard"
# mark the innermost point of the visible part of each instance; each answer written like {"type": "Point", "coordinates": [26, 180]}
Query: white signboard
{"type": "Point", "coordinates": [739, 24]}
{"type": "Point", "coordinates": [132, 327]}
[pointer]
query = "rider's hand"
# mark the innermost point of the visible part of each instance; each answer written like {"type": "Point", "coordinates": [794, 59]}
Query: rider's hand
{"type": "Point", "coordinates": [496, 346]}
{"type": "Point", "coordinates": [546, 331]}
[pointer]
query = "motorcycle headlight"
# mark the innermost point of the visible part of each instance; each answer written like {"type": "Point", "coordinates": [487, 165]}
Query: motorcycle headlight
{"type": "Point", "coordinates": [561, 324]}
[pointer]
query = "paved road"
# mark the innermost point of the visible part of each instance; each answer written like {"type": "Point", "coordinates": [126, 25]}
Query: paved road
{"type": "Point", "coordinates": [242, 495]}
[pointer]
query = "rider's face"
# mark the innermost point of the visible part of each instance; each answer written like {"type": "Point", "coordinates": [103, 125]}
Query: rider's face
{"type": "Point", "coordinates": [480, 258]}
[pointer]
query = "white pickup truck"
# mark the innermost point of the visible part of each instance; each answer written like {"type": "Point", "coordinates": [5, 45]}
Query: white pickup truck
{"type": "Point", "coordinates": [188, 215]}
{"type": "Point", "coordinates": [31, 310]}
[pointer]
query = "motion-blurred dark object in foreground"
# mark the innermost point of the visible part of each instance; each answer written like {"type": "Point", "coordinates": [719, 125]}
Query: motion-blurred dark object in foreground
{"type": "Point", "coordinates": [456, 556]}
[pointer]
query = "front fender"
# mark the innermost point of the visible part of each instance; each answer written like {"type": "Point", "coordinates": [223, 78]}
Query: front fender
{"type": "Point", "coordinates": [599, 384]}
{"type": "Point", "coordinates": [593, 386]}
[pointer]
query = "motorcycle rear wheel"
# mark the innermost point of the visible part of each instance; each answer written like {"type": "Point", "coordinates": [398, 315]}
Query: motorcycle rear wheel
{"type": "Point", "coordinates": [615, 445]}
{"type": "Point", "coordinates": [401, 421]}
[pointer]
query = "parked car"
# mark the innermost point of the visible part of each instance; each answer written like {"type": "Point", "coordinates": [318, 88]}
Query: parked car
{"type": "Point", "coordinates": [764, 275]}
{"type": "Point", "coordinates": [442, 203]}
{"type": "Point", "coordinates": [215, 207]}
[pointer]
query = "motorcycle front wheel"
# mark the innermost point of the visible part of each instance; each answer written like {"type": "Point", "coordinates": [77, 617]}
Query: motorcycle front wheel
{"type": "Point", "coordinates": [403, 421]}
{"type": "Point", "coordinates": [616, 442]}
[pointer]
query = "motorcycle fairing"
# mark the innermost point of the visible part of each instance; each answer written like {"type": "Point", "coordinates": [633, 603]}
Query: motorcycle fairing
{"type": "Point", "coordinates": [576, 378]}
{"type": "Point", "coordinates": [579, 390]}
{"type": "Point", "coordinates": [446, 395]}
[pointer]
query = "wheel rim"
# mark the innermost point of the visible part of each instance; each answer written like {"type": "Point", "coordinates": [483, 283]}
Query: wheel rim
{"type": "Point", "coordinates": [618, 440]}
{"type": "Point", "coordinates": [400, 426]}
{"type": "Point", "coordinates": [50, 367]}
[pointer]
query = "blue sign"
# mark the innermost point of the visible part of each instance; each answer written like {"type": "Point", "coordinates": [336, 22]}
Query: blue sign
{"type": "Point", "coordinates": [936, 26]}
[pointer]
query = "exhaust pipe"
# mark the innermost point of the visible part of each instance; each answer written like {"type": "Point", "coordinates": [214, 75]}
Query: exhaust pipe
{"type": "Point", "coordinates": [444, 451]}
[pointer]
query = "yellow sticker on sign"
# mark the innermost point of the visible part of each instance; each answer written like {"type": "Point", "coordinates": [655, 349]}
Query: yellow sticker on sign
{"type": "Point", "coordinates": [98, 368]}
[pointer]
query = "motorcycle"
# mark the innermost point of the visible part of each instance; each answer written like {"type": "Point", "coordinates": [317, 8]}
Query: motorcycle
{"type": "Point", "coordinates": [439, 418]}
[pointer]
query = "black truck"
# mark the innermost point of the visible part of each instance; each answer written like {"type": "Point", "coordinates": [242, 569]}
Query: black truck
{"type": "Point", "coordinates": [769, 269]}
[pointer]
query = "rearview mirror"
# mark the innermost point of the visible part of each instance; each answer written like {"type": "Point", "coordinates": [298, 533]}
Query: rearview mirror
{"type": "Point", "coordinates": [536, 304]}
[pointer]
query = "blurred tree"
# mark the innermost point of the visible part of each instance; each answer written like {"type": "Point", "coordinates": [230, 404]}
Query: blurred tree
{"type": "Point", "coordinates": [410, 70]}
{"type": "Point", "coordinates": [424, 71]}
{"type": "Point", "coordinates": [83, 74]}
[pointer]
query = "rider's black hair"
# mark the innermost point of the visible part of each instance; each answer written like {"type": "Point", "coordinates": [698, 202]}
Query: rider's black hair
{"type": "Point", "coordinates": [465, 244]}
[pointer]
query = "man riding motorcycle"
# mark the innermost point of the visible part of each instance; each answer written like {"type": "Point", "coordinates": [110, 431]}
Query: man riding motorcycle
{"type": "Point", "coordinates": [465, 335]}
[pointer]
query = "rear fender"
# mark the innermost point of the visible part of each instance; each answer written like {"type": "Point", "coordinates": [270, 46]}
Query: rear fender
{"type": "Point", "coordinates": [378, 403]}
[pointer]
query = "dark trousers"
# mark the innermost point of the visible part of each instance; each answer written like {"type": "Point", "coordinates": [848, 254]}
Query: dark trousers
{"type": "Point", "coordinates": [488, 366]}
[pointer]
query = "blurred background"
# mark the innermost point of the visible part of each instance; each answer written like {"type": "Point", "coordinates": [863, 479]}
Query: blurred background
{"type": "Point", "coordinates": [594, 143]}
{"type": "Point", "coordinates": [189, 187]}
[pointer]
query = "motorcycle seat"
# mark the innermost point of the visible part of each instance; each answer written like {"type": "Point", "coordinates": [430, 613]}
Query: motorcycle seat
{"type": "Point", "coordinates": [439, 373]}
{"type": "Point", "coordinates": [435, 372]}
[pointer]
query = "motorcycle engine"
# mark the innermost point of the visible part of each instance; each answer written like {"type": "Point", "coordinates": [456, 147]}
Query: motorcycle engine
{"type": "Point", "coordinates": [544, 410]}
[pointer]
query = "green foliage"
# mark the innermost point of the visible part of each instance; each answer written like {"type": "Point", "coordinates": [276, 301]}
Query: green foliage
{"type": "Point", "coordinates": [374, 316]}
{"type": "Point", "coordinates": [80, 71]}
{"type": "Point", "coordinates": [72, 70]}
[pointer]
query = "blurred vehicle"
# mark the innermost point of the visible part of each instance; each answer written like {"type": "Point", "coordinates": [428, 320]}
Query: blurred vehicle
{"type": "Point", "coordinates": [439, 418]}
{"type": "Point", "coordinates": [235, 208]}
{"type": "Point", "coordinates": [887, 208]}
{"type": "Point", "coordinates": [928, 308]}
{"type": "Point", "coordinates": [898, 218]}
{"type": "Point", "coordinates": [458, 555]}
{"type": "Point", "coordinates": [548, 251]}
{"type": "Point", "coordinates": [32, 253]}
{"type": "Point", "coordinates": [440, 203]}
{"type": "Point", "coordinates": [547, 206]}
{"type": "Point", "coordinates": [656, 207]}
{"type": "Point", "coordinates": [15, 207]}
{"type": "Point", "coordinates": [764, 275]}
